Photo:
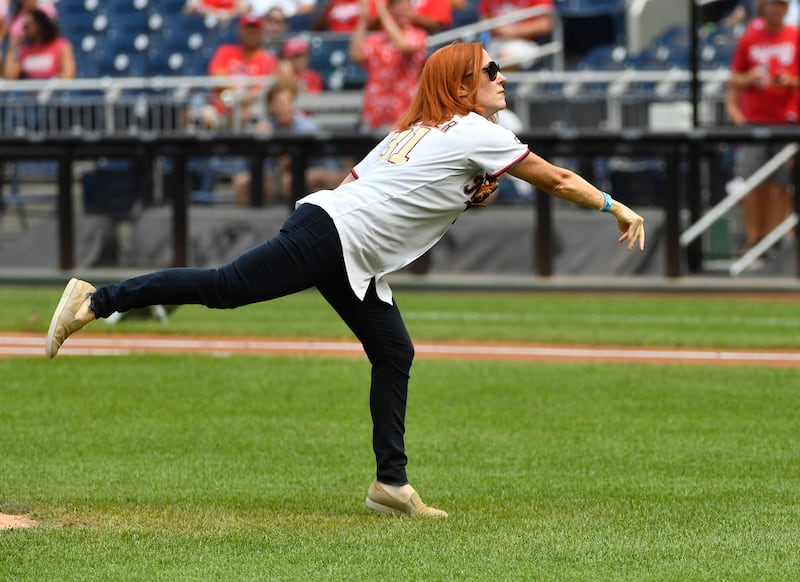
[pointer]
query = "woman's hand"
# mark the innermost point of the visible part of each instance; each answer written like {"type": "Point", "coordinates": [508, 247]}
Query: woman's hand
{"type": "Point", "coordinates": [630, 224]}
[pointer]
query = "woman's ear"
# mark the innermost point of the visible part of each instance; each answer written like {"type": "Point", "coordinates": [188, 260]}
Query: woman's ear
{"type": "Point", "coordinates": [462, 91]}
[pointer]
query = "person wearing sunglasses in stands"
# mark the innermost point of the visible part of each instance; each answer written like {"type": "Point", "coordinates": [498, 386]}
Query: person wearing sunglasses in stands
{"type": "Point", "coordinates": [442, 158]}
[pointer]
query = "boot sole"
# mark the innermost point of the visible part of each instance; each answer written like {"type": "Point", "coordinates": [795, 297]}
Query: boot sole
{"type": "Point", "coordinates": [383, 508]}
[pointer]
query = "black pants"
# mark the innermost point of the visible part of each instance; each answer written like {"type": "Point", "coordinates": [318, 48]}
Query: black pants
{"type": "Point", "coordinates": [306, 253]}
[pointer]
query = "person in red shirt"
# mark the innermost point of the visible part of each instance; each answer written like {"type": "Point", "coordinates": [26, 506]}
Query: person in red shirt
{"type": "Point", "coordinates": [41, 52]}
{"type": "Point", "coordinates": [517, 42]}
{"type": "Point", "coordinates": [432, 15]}
{"type": "Point", "coordinates": [341, 16]}
{"type": "Point", "coordinates": [294, 66]}
{"type": "Point", "coordinates": [393, 56]}
{"type": "Point", "coordinates": [246, 59]}
{"type": "Point", "coordinates": [763, 89]}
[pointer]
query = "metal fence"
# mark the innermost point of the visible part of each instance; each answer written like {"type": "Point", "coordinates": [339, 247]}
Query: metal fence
{"type": "Point", "coordinates": [685, 158]}
{"type": "Point", "coordinates": [169, 105]}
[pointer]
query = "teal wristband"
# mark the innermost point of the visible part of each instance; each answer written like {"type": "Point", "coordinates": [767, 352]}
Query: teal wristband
{"type": "Point", "coordinates": [608, 202]}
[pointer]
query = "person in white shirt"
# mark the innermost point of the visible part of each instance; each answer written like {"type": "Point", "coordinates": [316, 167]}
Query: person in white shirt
{"type": "Point", "coordinates": [443, 157]}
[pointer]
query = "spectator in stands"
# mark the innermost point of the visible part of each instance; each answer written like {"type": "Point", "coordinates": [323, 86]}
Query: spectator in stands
{"type": "Point", "coordinates": [294, 66]}
{"type": "Point", "coordinates": [275, 28]}
{"type": "Point", "coordinates": [41, 52]}
{"type": "Point", "coordinates": [223, 9]}
{"type": "Point", "coordinates": [284, 118]}
{"type": "Point", "coordinates": [248, 58]}
{"type": "Point", "coordinates": [751, 12]}
{"type": "Point", "coordinates": [393, 57]}
{"type": "Point", "coordinates": [432, 16]}
{"type": "Point", "coordinates": [4, 15]}
{"type": "Point", "coordinates": [342, 16]}
{"type": "Point", "coordinates": [763, 89]}
{"type": "Point", "coordinates": [517, 42]}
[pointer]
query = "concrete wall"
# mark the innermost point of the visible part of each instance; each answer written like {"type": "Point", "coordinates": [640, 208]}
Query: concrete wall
{"type": "Point", "coordinates": [645, 19]}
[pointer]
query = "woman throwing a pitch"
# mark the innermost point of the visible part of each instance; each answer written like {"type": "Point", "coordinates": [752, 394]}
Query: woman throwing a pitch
{"type": "Point", "coordinates": [441, 158]}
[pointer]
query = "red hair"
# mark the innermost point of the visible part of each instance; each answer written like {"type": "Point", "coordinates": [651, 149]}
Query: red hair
{"type": "Point", "coordinates": [447, 73]}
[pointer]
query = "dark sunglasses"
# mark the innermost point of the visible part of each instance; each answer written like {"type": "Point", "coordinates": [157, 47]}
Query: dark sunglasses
{"type": "Point", "coordinates": [491, 69]}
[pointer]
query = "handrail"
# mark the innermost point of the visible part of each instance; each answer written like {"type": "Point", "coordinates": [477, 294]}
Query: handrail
{"type": "Point", "coordinates": [763, 245]}
{"type": "Point", "coordinates": [743, 190]}
{"type": "Point", "coordinates": [106, 84]}
{"type": "Point", "coordinates": [159, 83]}
{"type": "Point", "coordinates": [627, 75]}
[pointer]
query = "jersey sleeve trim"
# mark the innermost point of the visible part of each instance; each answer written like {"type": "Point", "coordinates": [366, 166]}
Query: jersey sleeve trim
{"type": "Point", "coordinates": [509, 166]}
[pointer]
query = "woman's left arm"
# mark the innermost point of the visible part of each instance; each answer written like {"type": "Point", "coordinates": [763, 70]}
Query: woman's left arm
{"type": "Point", "coordinates": [568, 185]}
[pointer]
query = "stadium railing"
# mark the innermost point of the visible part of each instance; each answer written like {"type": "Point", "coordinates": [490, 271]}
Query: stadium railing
{"type": "Point", "coordinates": [164, 105]}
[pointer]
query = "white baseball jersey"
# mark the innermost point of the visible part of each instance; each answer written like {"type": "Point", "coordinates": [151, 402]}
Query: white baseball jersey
{"type": "Point", "coordinates": [409, 190]}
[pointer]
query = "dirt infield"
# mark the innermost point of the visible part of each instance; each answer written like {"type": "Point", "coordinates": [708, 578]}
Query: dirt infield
{"type": "Point", "coordinates": [31, 345]}
{"type": "Point", "coordinates": [8, 521]}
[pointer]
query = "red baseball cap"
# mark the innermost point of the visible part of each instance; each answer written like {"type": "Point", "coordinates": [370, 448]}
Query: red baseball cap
{"type": "Point", "coordinates": [251, 20]}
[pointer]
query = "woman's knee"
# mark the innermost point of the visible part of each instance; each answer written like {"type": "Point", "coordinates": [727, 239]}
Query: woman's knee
{"type": "Point", "coordinates": [397, 354]}
{"type": "Point", "coordinates": [230, 290]}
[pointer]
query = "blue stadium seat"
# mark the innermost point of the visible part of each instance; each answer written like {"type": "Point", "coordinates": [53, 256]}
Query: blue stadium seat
{"type": "Point", "coordinates": [604, 58]}
{"type": "Point", "coordinates": [467, 15]}
{"type": "Point", "coordinates": [674, 36]}
{"type": "Point", "coordinates": [159, 64]}
{"type": "Point", "coordinates": [72, 6]}
{"type": "Point", "coordinates": [120, 64]}
{"type": "Point", "coordinates": [123, 7]}
{"type": "Point", "coordinates": [129, 22]}
{"type": "Point", "coordinates": [88, 49]}
{"type": "Point", "coordinates": [715, 57]}
{"type": "Point", "coordinates": [299, 22]}
{"type": "Point", "coordinates": [187, 24]}
{"type": "Point", "coordinates": [86, 65]}
{"type": "Point", "coordinates": [226, 33]}
{"type": "Point", "coordinates": [654, 58]}
{"type": "Point", "coordinates": [74, 25]}
{"type": "Point", "coordinates": [327, 53]}
{"type": "Point", "coordinates": [169, 6]}
{"type": "Point", "coordinates": [350, 76]}
{"type": "Point", "coordinates": [176, 57]}
{"type": "Point", "coordinates": [679, 57]}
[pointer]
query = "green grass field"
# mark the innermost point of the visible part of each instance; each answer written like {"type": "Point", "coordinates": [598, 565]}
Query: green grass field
{"type": "Point", "coordinates": [155, 467]}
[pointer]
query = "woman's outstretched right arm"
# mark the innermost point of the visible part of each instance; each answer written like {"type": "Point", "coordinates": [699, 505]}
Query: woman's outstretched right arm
{"type": "Point", "coordinates": [570, 186]}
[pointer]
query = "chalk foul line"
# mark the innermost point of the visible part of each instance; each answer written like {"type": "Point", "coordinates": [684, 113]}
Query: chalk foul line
{"type": "Point", "coordinates": [32, 345]}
